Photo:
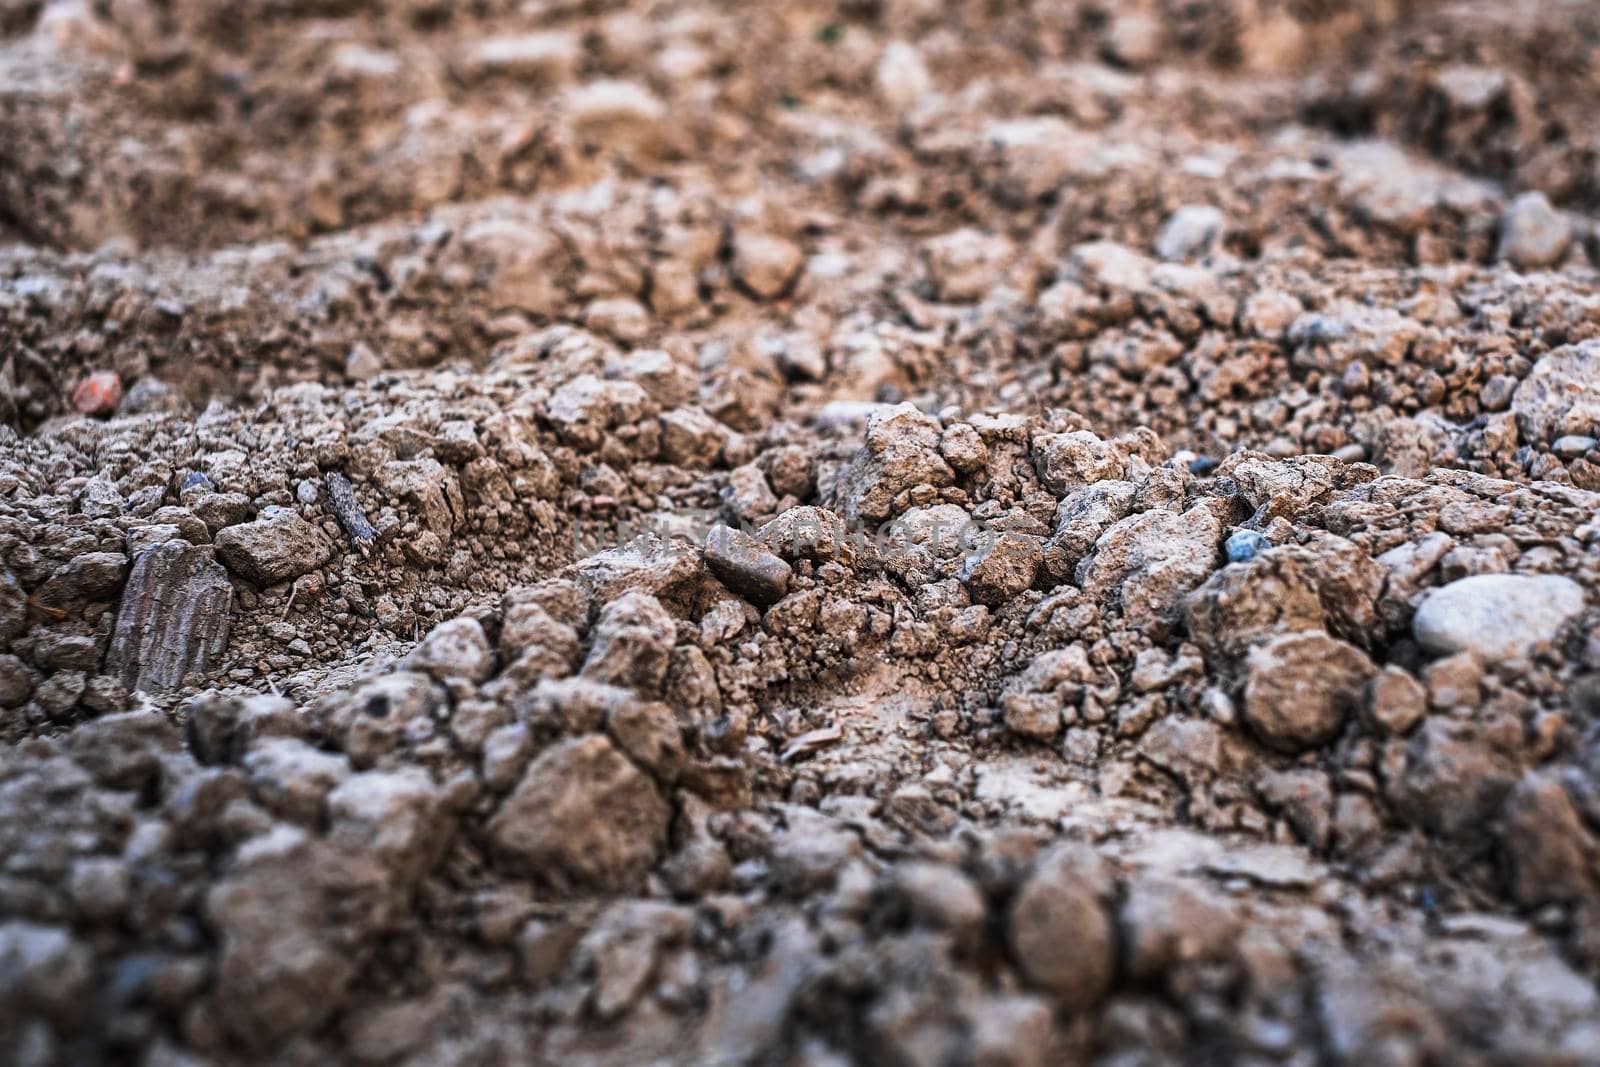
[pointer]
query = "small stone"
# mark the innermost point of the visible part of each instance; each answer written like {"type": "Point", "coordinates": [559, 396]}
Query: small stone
{"type": "Point", "coordinates": [542, 947]}
{"type": "Point", "coordinates": [619, 318]}
{"type": "Point", "coordinates": [276, 547]}
{"type": "Point", "coordinates": [1032, 715]}
{"type": "Point", "coordinates": [1454, 681]}
{"type": "Point", "coordinates": [1011, 1031]}
{"type": "Point", "coordinates": [622, 116]}
{"type": "Point", "coordinates": [98, 394]}
{"type": "Point", "coordinates": [1552, 853]}
{"type": "Point", "coordinates": [307, 492]}
{"type": "Point", "coordinates": [1003, 569]}
{"type": "Point", "coordinates": [941, 898]}
{"type": "Point", "coordinates": [745, 566]}
{"type": "Point", "coordinates": [632, 643]}
{"type": "Point", "coordinates": [536, 58]}
{"type": "Point", "coordinates": [748, 495]}
{"type": "Point", "coordinates": [59, 693]}
{"type": "Point", "coordinates": [292, 779]}
{"type": "Point", "coordinates": [1496, 616]}
{"type": "Point", "coordinates": [505, 753]}
{"type": "Point", "coordinates": [1560, 397]}
{"type": "Point", "coordinates": [1070, 461]}
{"type": "Point", "coordinates": [1573, 445]}
{"type": "Point", "coordinates": [583, 817]}
{"type": "Point", "coordinates": [362, 364]}
{"type": "Point", "coordinates": [585, 408]}
{"type": "Point", "coordinates": [902, 77]}
{"type": "Point", "coordinates": [966, 263]}
{"type": "Point", "coordinates": [1059, 932]}
{"type": "Point", "coordinates": [1168, 922]}
{"type": "Point", "coordinates": [392, 816]}
{"type": "Point", "coordinates": [963, 449]}
{"type": "Point", "coordinates": [221, 510]}
{"type": "Point", "coordinates": [1497, 392]}
{"type": "Point", "coordinates": [1150, 561]}
{"type": "Point", "coordinates": [1396, 701]}
{"type": "Point", "coordinates": [902, 451]}
{"type": "Point", "coordinates": [16, 681]}
{"type": "Point", "coordinates": [648, 732]}
{"type": "Point", "coordinates": [454, 649]}
{"type": "Point", "coordinates": [1533, 234]}
{"type": "Point", "coordinates": [99, 887]}
{"type": "Point", "coordinates": [1301, 686]}
{"type": "Point", "coordinates": [766, 265]}
{"type": "Point", "coordinates": [1243, 546]}
{"type": "Point", "coordinates": [1192, 231]}
{"type": "Point", "coordinates": [100, 499]}
{"type": "Point", "coordinates": [691, 438]}
{"type": "Point", "coordinates": [43, 970]}
{"type": "Point", "coordinates": [1133, 39]}
{"type": "Point", "coordinates": [91, 577]}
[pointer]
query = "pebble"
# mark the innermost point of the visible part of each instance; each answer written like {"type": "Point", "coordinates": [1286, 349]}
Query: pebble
{"type": "Point", "coordinates": [766, 264]}
{"type": "Point", "coordinates": [1561, 396]}
{"type": "Point", "coordinates": [98, 394]}
{"type": "Point", "coordinates": [1573, 445]}
{"type": "Point", "coordinates": [1245, 545]}
{"type": "Point", "coordinates": [1300, 688]}
{"type": "Point", "coordinates": [278, 546]}
{"type": "Point", "coordinates": [745, 565]}
{"type": "Point", "coordinates": [1532, 233]}
{"type": "Point", "coordinates": [1060, 934]}
{"type": "Point", "coordinates": [1396, 701]}
{"type": "Point", "coordinates": [1192, 231]}
{"type": "Point", "coordinates": [1496, 616]}
{"type": "Point", "coordinates": [902, 77]}
{"type": "Point", "coordinates": [1003, 569]}
{"type": "Point", "coordinates": [583, 816]}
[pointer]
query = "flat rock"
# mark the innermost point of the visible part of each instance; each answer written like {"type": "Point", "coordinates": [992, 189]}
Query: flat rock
{"type": "Point", "coordinates": [276, 547]}
{"type": "Point", "coordinates": [648, 563]}
{"type": "Point", "coordinates": [1496, 616]}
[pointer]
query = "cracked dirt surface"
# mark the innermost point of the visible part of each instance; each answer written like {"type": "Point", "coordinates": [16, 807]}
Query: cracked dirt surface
{"type": "Point", "coordinates": [915, 532]}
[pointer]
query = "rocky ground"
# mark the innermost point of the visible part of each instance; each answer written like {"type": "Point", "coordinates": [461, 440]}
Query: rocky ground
{"type": "Point", "coordinates": [905, 533]}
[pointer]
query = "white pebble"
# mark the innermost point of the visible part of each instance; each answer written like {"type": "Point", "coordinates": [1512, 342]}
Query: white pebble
{"type": "Point", "coordinates": [1496, 616]}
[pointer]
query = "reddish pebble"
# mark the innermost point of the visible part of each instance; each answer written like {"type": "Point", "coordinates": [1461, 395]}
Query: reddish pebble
{"type": "Point", "coordinates": [98, 394]}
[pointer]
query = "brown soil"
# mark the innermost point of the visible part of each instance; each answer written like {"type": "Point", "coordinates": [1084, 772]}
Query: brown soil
{"type": "Point", "coordinates": [901, 533]}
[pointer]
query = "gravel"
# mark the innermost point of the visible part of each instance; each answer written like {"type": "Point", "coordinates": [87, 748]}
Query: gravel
{"type": "Point", "coordinates": [862, 533]}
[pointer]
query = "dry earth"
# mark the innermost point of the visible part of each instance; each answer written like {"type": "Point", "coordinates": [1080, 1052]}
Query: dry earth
{"type": "Point", "coordinates": [894, 532]}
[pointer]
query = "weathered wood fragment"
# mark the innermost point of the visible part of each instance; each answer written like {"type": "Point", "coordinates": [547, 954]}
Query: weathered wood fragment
{"type": "Point", "coordinates": [174, 618]}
